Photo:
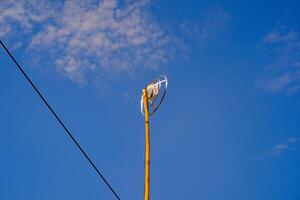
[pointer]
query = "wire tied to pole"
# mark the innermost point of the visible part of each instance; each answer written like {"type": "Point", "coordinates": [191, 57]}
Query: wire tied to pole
{"type": "Point", "coordinates": [60, 121]}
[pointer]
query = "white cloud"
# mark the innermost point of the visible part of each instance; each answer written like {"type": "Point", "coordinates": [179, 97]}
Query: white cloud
{"type": "Point", "coordinates": [283, 72]}
{"type": "Point", "coordinates": [276, 37]}
{"type": "Point", "coordinates": [22, 15]}
{"type": "Point", "coordinates": [288, 81]}
{"type": "Point", "coordinates": [288, 145]}
{"type": "Point", "coordinates": [81, 37]}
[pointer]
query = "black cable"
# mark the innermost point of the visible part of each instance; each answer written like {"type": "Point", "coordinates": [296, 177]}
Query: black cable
{"type": "Point", "coordinates": [59, 120]}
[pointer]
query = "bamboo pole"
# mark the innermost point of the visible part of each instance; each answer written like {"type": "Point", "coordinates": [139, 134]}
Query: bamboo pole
{"type": "Point", "coordinates": [147, 148]}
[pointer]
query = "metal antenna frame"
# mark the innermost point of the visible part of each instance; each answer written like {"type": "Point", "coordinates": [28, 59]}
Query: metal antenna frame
{"type": "Point", "coordinates": [158, 81]}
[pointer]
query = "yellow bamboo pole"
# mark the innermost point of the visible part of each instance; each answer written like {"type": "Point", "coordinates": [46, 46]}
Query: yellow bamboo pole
{"type": "Point", "coordinates": [147, 148]}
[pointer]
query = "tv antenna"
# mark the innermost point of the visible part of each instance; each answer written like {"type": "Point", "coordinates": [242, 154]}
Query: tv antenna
{"type": "Point", "coordinates": [152, 97]}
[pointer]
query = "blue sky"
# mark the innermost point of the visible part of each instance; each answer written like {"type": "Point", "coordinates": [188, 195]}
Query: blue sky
{"type": "Point", "coordinates": [228, 129]}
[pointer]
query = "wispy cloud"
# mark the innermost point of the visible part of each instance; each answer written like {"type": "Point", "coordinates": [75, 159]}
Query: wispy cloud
{"type": "Point", "coordinates": [289, 145]}
{"type": "Point", "coordinates": [283, 72]}
{"type": "Point", "coordinates": [21, 16]}
{"type": "Point", "coordinates": [277, 37]}
{"type": "Point", "coordinates": [213, 21]}
{"type": "Point", "coordinates": [81, 37]}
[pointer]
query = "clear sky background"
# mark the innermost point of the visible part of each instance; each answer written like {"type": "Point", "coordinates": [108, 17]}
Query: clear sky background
{"type": "Point", "coordinates": [228, 128]}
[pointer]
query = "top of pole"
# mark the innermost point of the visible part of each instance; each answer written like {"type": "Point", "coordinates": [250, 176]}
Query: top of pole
{"type": "Point", "coordinates": [156, 91]}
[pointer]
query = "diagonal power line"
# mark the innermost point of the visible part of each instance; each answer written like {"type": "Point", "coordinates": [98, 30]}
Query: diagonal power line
{"type": "Point", "coordinates": [59, 120]}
